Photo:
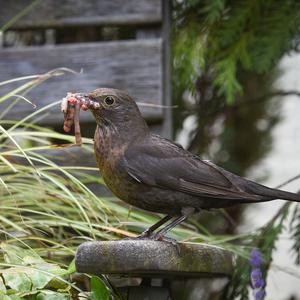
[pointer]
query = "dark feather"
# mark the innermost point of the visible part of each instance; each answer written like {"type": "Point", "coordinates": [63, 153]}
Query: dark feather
{"type": "Point", "coordinates": [161, 163]}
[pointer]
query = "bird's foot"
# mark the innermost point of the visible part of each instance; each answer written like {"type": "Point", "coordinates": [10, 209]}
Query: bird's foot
{"type": "Point", "coordinates": [159, 237]}
{"type": "Point", "coordinates": [147, 234]}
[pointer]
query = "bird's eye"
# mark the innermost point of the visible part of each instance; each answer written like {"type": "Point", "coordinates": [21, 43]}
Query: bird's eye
{"type": "Point", "coordinates": [109, 100]}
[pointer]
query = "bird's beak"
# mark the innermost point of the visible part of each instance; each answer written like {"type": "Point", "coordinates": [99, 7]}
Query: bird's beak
{"type": "Point", "coordinates": [86, 102]}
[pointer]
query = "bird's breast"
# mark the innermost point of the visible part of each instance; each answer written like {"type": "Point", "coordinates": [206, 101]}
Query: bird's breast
{"type": "Point", "coordinates": [109, 151]}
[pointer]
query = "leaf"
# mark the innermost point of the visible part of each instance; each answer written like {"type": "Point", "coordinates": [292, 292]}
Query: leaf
{"type": "Point", "coordinates": [16, 280]}
{"type": "Point", "coordinates": [50, 295]}
{"type": "Point", "coordinates": [71, 269]}
{"type": "Point", "coordinates": [46, 278]}
{"type": "Point", "coordinates": [5, 297]}
{"type": "Point", "coordinates": [11, 297]}
{"type": "Point", "coordinates": [39, 279]}
{"type": "Point", "coordinates": [35, 274]}
{"type": "Point", "coordinates": [2, 287]}
{"type": "Point", "coordinates": [15, 255]}
{"type": "Point", "coordinates": [12, 254]}
{"type": "Point", "coordinates": [45, 274]}
{"type": "Point", "coordinates": [99, 290]}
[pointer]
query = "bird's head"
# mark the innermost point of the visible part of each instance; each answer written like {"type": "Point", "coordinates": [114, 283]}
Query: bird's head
{"type": "Point", "coordinates": [116, 108]}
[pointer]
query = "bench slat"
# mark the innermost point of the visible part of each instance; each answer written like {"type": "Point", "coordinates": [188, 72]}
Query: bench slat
{"type": "Point", "coordinates": [56, 13]}
{"type": "Point", "coordinates": [134, 66]}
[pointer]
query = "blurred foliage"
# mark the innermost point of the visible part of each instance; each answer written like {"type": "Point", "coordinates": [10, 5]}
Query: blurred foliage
{"type": "Point", "coordinates": [223, 38]}
{"type": "Point", "coordinates": [264, 239]}
{"type": "Point", "coordinates": [225, 64]}
{"type": "Point", "coordinates": [225, 61]}
{"type": "Point", "coordinates": [295, 232]}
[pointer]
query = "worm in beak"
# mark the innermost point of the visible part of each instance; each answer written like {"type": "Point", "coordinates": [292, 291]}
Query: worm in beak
{"type": "Point", "coordinates": [70, 106]}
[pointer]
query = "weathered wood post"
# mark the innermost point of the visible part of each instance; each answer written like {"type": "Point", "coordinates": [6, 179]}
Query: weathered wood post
{"type": "Point", "coordinates": [156, 270]}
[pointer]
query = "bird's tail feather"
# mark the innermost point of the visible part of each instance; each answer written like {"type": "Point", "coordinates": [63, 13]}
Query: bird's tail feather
{"type": "Point", "coordinates": [279, 194]}
{"type": "Point", "coordinates": [270, 193]}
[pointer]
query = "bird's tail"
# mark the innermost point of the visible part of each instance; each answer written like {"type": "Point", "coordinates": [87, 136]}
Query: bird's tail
{"type": "Point", "coordinates": [279, 194]}
{"type": "Point", "coordinates": [270, 193]}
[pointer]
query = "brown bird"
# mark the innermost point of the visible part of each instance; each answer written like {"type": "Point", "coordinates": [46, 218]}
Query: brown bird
{"type": "Point", "coordinates": [155, 174]}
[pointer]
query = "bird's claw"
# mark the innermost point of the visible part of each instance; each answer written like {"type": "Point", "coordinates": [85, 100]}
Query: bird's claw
{"type": "Point", "coordinates": [162, 238]}
{"type": "Point", "coordinates": [145, 234]}
{"type": "Point", "coordinates": [155, 237]}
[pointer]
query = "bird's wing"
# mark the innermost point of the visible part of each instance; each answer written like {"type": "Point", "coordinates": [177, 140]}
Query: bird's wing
{"type": "Point", "coordinates": [161, 163]}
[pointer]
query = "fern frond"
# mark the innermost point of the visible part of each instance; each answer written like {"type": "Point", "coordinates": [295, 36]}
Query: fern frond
{"type": "Point", "coordinates": [295, 232]}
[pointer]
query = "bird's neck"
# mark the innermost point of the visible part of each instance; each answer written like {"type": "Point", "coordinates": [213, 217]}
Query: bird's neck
{"type": "Point", "coordinates": [110, 141]}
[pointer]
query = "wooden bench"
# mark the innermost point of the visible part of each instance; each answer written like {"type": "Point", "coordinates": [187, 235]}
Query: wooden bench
{"type": "Point", "coordinates": [89, 36]}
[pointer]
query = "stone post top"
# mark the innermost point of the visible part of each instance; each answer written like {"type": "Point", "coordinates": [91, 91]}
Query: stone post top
{"type": "Point", "coordinates": [153, 258]}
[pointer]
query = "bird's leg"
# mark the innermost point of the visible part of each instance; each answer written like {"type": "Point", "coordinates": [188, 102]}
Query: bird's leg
{"type": "Point", "coordinates": [149, 231]}
{"type": "Point", "coordinates": [185, 214]}
{"type": "Point", "coordinates": [160, 234]}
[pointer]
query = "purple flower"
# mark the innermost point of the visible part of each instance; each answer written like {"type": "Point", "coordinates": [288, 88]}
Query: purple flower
{"type": "Point", "coordinates": [259, 294]}
{"type": "Point", "coordinates": [255, 258]}
{"type": "Point", "coordinates": [256, 276]}
{"type": "Point", "coordinates": [257, 279]}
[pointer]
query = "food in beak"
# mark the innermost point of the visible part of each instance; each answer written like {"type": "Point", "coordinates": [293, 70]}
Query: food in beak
{"type": "Point", "coordinates": [70, 106]}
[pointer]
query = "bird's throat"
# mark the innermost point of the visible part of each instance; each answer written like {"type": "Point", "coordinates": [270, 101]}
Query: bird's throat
{"type": "Point", "coordinates": [110, 142]}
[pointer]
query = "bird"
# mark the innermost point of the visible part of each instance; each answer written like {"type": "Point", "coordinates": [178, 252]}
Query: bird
{"type": "Point", "coordinates": [155, 174]}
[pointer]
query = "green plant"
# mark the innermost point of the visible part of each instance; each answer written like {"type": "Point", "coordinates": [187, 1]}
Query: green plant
{"type": "Point", "coordinates": [226, 38]}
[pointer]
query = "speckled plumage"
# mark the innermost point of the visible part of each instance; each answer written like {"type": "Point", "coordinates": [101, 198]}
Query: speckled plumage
{"type": "Point", "coordinates": [155, 174]}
